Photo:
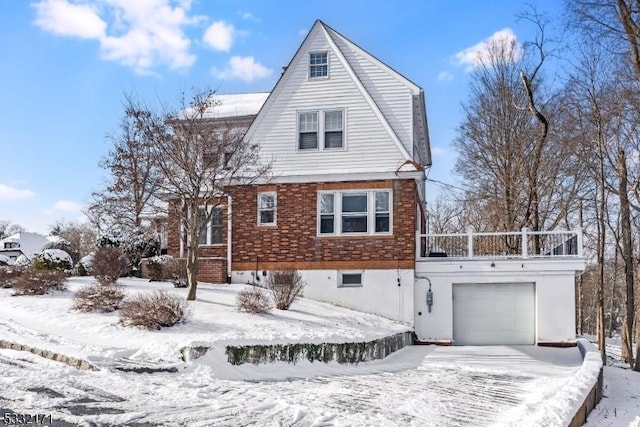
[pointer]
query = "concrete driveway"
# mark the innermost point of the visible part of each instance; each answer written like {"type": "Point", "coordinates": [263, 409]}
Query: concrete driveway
{"type": "Point", "coordinates": [419, 386]}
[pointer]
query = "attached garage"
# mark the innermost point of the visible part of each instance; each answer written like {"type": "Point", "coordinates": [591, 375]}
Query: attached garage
{"type": "Point", "coordinates": [494, 313]}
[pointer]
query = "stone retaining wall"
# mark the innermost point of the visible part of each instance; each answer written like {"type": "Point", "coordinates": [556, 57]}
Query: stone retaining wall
{"type": "Point", "coordinates": [71, 361]}
{"type": "Point", "coordinates": [591, 353]}
{"type": "Point", "coordinates": [351, 352]}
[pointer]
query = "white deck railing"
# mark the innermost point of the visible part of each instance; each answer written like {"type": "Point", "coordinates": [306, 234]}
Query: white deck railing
{"type": "Point", "coordinates": [523, 244]}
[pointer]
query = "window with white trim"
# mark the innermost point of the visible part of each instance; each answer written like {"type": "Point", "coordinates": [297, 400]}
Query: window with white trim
{"type": "Point", "coordinates": [318, 64]}
{"type": "Point", "coordinates": [322, 129]}
{"type": "Point", "coordinates": [333, 129]}
{"type": "Point", "coordinates": [267, 206]}
{"type": "Point", "coordinates": [211, 232]}
{"type": "Point", "coordinates": [354, 212]}
{"type": "Point", "coordinates": [308, 130]}
{"type": "Point", "coordinates": [350, 279]}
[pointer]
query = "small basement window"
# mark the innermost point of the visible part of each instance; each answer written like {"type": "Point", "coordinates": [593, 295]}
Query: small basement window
{"type": "Point", "coordinates": [348, 279]}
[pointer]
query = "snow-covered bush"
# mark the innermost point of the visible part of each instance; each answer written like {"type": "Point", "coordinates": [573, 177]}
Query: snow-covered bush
{"type": "Point", "coordinates": [22, 261]}
{"type": "Point", "coordinates": [108, 239]}
{"type": "Point", "coordinates": [5, 260]}
{"type": "Point", "coordinates": [154, 310]}
{"type": "Point", "coordinates": [109, 263]}
{"type": "Point", "coordinates": [102, 298]}
{"type": "Point", "coordinates": [157, 266]}
{"type": "Point", "coordinates": [63, 245]}
{"type": "Point", "coordinates": [285, 287]}
{"type": "Point", "coordinates": [84, 267]}
{"type": "Point", "coordinates": [254, 300]}
{"type": "Point", "coordinates": [53, 259]}
{"type": "Point", "coordinates": [9, 274]}
{"type": "Point", "coordinates": [35, 281]}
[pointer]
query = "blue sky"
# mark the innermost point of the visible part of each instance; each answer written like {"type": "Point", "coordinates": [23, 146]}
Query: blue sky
{"type": "Point", "coordinates": [67, 64]}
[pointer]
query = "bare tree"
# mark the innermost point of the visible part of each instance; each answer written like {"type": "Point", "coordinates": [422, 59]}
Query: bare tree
{"type": "Point", "coordinates": [514, 164]}
{"type": "Point", "coordinates": [81, 236]}
{"type": "Point", "coordinates": [7, 229]}
{"type": "Point", "coordinates": [200, 159]}
{"type": "Point", "coordinates": [615, 26]}
{"type": "Point", "coordinates": [134, 177]}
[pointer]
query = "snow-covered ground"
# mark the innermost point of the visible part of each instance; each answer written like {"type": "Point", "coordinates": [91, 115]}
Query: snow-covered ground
{"type": "Point", "coordinates": [48, 322]}
{"type": "Point", "coordinates": [420, 385]}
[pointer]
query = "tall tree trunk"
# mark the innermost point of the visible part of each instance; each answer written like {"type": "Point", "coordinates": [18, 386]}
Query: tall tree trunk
{"type": "Point", "coordinates": [192, 255]}
{"type": "Point", "coordinates": [601, 248]}
{"type": "Point", "coordinates": [627, 255]}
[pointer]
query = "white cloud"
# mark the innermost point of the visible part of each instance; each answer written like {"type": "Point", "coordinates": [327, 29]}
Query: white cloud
{"type": "Point", "coordinates": [219, 36]}
{"type": "Point", "coordinates": [445, 76]}
{"type": "Point", "coordinates": [8, 194]}
{"type": "Point", "coordinates": [248, 16]}
{"type": "Point", "coordinates": [141, 34]}
{"type": "Point", "coordinates": [243, 68]}
{"type": "Point", "coordinates": [438, 151]}
{"type": "Point", "coordinates": [67, 206]}
{"type": "Point", "coordinates": [480, 53]}
{"type": "Point", "coordinates": [68, 19]}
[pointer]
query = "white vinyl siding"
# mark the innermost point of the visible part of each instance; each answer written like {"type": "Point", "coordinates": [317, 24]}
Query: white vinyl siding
{"type": "Point", "coordinates": [391, 95]}
{"type": "Point", "coordinates": [354, 212]}
{"type": "Point", "coordinates": [367, 145]}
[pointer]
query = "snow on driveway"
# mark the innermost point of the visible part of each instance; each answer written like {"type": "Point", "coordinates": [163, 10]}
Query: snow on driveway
{"type": "Point", "coordinates": [417, 386]}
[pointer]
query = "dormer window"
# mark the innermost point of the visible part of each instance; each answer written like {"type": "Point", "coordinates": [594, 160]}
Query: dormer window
{"type": "Point", "coordinates": [318, 64]}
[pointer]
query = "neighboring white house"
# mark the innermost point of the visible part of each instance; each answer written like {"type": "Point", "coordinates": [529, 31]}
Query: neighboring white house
{"type": "Point", "coordinates": [22, 243]}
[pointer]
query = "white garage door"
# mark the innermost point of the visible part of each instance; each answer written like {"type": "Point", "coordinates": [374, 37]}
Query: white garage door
{"type": "Point", "coordinates": [487, 314]}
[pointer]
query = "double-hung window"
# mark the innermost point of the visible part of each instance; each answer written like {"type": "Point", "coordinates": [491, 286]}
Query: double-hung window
{"type": "Point", "coordinates": [318, 64]}
{"type": "Point", "coordinates": [267, 205]}
{"type": "Point", "coordinates": [211, 231]}
{"type": "Point", "coordinates": [354, 212]}
{"type": "Point", "coordinates": [321, 129]}
{"type": "Point", "coordinates": [333, 129]}
{"type": "Point", "coordinates": [308, 130]}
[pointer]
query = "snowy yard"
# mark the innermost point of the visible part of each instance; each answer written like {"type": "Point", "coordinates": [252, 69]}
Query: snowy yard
{"type": "Point", "coordinates": [419, 386]}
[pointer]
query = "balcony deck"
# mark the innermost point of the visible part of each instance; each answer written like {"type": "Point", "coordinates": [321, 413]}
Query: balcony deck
{"type": "Point", "coordinates": [524, 244]}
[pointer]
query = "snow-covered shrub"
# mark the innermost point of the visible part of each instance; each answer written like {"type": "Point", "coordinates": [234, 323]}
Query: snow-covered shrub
{"type": "Point", "coordinates": [102, 298]}
{"type": "Point", "coordinates": [176, 272]}
{"type": "Point", "coordinates": [64, 245]}
{"type": "Point", "coordinates": [85, 265]}
{"type": "Point", "coordinates": [285, 287]}
{"type": "Point", "coordinates": [5, 260]}
{"type": "Point", "coordinates": [35, 281]}
{"type": "Point", "coordinates": [108, 239]}
{"type": "Point", "coordinates": [109, 263]}
{"type": "Point", "coordinates": [157, 266]}
{"type": "Point", "coordinates": [22, 261]}
{"type": "Point", "coordinates": [53, 259]}
{"type": "Point", "coordinates": [254, 300]}
{"type": "Point", "coordinates": [154, 310]}
{"type": "Point", "coordinates": [9, 274]}
{"type": "Point", "coordinates": [140, 244]}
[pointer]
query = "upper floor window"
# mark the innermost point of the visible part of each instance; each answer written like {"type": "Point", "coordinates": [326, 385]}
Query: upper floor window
{"type": "Point", "coordinates": [308, 130]}
{"type": "Point", "coordinates": [211, 231]}
{"type": "Point", "coordinates": [11, 245]}
{"type": "Point", "coordinates": [354, 212]}
{"type": "Point", "coordinates": [333, 129]}
{"type": "Point", "coordinates": [321, 129]}
{"type": "Point", "coordinates": [318, 64]}
{"type": "Point", "coordinates": [267, 205]}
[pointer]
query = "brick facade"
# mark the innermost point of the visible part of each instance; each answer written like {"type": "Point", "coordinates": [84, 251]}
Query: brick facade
{"type": "Point", "coordinates": [293, 242]}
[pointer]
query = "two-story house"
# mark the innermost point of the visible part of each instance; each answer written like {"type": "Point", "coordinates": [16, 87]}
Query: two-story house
{"type": "Point", "coordinates": [345, 204]}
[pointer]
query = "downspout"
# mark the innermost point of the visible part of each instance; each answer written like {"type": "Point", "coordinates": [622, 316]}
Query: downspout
{"type": "Point", "coordinates": [229, 237]}
{"type": "Point", "coordinates": [181, 230]}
